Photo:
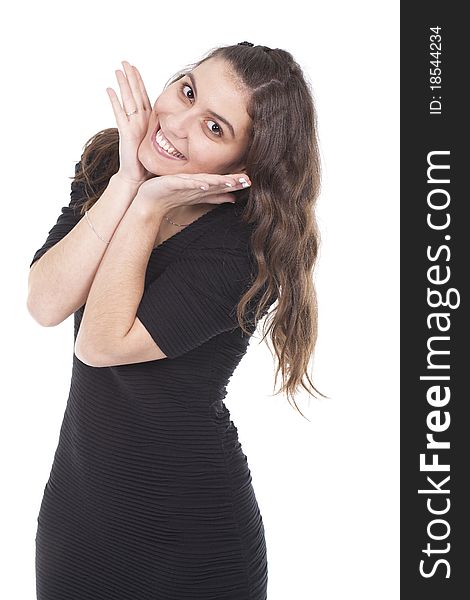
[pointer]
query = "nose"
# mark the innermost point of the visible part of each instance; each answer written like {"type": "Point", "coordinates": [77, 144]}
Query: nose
{"type": "Point", "coordinates": [177, 124]}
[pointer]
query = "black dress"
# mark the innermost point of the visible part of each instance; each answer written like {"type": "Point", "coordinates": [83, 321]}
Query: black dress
{"type": "Point", "coordinates": [150, 495]}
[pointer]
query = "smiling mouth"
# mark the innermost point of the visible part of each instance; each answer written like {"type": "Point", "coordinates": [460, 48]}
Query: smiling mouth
{"type": "Point", "coordinates": [164, 147]}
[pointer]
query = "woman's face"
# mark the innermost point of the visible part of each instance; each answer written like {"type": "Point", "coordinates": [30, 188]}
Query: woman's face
{"type": "Point", "coordinates": [184, 114]}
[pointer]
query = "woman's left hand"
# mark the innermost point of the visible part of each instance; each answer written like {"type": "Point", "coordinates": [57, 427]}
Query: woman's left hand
{"type": "Point", "coordinates": [132, 128]}
{"type": "Point", "coordinates": [170, 191]}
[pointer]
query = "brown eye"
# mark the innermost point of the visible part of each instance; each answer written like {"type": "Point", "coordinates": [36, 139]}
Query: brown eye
{"type": "Point", "coordinates": [218, 132]}
{"type": "Point", "coordinates": [185, 85]}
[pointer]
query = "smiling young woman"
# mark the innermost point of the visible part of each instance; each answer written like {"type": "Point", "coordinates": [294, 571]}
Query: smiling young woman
{"type": "Point", "coordinates": [150, 494]}
{"type": "Point", "coordinates": [185, 136]}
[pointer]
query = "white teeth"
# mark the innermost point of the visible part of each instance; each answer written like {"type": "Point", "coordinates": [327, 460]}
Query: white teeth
{"type": "Point", "coordinates": [163, 143]}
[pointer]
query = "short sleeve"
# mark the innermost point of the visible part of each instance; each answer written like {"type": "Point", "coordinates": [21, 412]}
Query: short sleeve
{"type": "Point", "coordinates": [69, 217]}
{"type": "Point", "coordinates": [194, 299]}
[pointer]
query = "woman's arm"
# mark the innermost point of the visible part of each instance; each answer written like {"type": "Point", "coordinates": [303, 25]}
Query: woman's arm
{"type": "Point", "coordinates": [110, 328]}
{"type": "Point", "coordinates": [118, 285]}
{"type": "Point", "coordinates": [59, 282]}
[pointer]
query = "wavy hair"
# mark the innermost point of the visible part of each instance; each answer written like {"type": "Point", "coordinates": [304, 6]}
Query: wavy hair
{"type": "Point", "coordinates": [282, 160]}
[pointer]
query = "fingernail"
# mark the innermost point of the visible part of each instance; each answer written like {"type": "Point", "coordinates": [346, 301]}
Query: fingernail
{"type": "Point", "coordinates": [228, 184]}
{"type": "Point", "coordinates": [244, 182]}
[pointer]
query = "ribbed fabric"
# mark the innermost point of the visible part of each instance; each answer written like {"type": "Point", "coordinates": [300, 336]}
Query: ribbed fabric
{"type": "Point", "coordinates": [150, 495]}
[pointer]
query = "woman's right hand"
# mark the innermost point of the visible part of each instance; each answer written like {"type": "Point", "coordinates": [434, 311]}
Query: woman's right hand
{"type": "Point", "coordinates": [132, 128]}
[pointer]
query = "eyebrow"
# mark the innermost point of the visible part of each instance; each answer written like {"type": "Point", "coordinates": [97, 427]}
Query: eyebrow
{"type": "Point", "coordinates": [211, 112]}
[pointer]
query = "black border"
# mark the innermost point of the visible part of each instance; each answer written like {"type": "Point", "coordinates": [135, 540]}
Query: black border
{"type": "Point", "coordinates": [421, 133]}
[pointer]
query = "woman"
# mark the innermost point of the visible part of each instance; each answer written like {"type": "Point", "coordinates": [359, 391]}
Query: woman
{"type": "Point", "coordinates": [199, 215]}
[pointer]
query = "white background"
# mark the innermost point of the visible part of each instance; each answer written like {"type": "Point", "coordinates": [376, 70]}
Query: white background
{"type": "Point", "coordinates": [328, 490]}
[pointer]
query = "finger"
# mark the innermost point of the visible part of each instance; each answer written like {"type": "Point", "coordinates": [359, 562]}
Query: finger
{"type": "Point", "coordinates": [128, 101]}
{"type": "Point", "coordinates": [237, 179]}
{"type": "Point", "coordinates": [217, 181]}
{"type": "Point", "coordinates": [121, 118]}
{"type": "Point", "coordinates": [202, 185]}
{"type": "Point", "coordinates": [219, 198]}
{"type": "Point", "coordinates": [188, 183]}
{"type": "Point", "coordinates": [143, 91]}
{"type": "Point", "coordinates": [242, 178]}
{"type": "Point", "coordinates": [219, 188]}
{"type": "Point", "coordinates": [212, 183]}
{"type": "Point", "coordinates": [133, 85]}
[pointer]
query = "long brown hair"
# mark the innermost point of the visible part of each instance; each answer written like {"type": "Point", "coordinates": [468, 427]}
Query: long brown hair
{"type": "Point", "coordinates": [283, 163]}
